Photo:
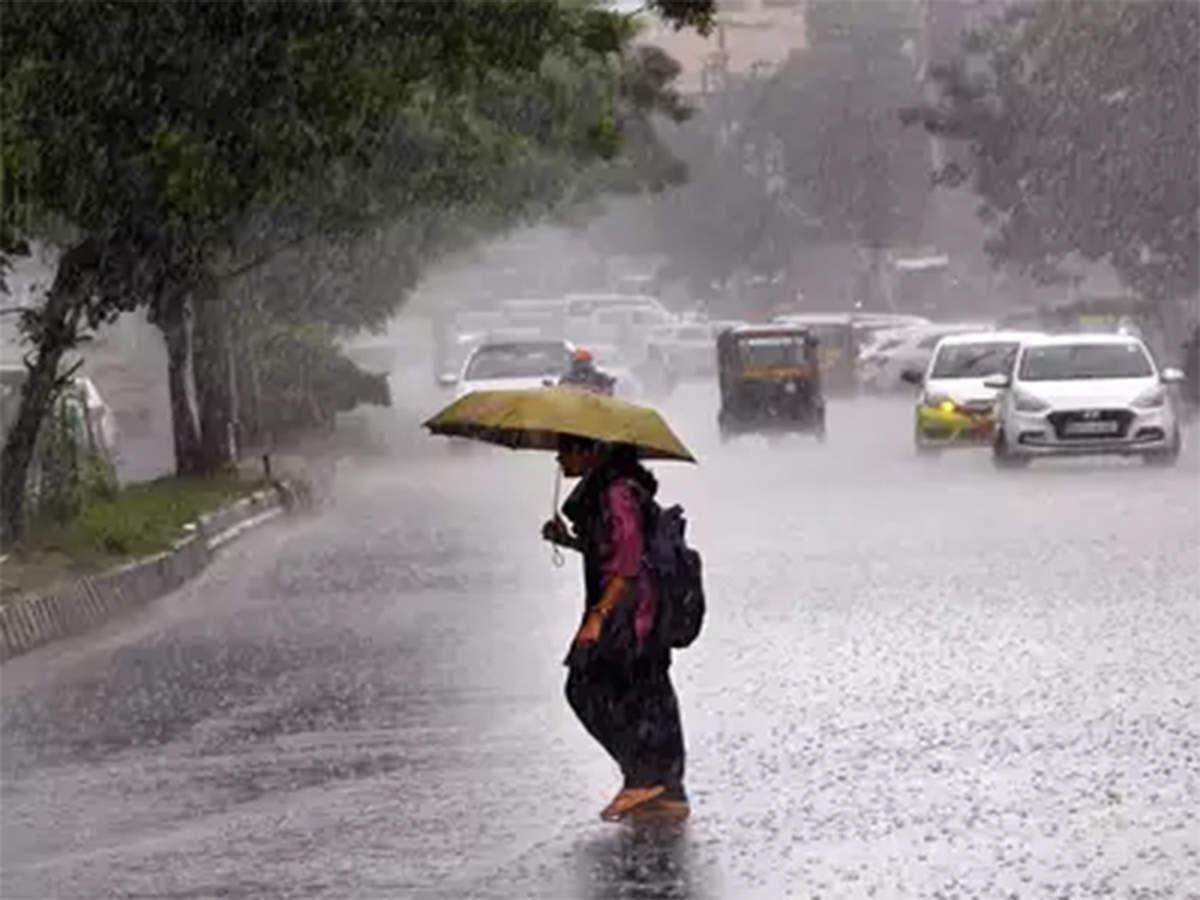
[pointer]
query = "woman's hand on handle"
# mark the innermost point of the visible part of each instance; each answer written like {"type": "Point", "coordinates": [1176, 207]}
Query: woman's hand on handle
{"type": "Point", "coordinates": [556, 532]}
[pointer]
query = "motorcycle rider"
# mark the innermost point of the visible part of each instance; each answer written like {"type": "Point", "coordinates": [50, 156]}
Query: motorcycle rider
{"type": "Point", "coordinates": [584, 374]}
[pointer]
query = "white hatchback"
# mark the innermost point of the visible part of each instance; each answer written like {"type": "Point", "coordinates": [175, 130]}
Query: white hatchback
{"type": "Point", "coordinates": [515, 364]}
{"type": "Point", "coordinates": [1085, 394]}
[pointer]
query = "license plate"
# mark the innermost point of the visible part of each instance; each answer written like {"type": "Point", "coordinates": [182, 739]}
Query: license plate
{"type": "Point", "coordinates": [1104, 427]}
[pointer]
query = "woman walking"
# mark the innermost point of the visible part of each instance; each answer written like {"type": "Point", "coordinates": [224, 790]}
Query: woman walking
{"type": "Point", "coordinates": [618, 679]}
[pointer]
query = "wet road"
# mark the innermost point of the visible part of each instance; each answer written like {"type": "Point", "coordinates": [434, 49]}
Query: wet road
{"type": "Point", "coordinates": [918, 678]}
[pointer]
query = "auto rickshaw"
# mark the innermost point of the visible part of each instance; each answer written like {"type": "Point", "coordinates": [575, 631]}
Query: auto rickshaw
{"type": "Point", "coordinates": [770, 378]}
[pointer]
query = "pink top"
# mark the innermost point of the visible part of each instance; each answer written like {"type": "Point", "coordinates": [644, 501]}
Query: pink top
{"type": "Point", "coordinates": [622, 553]}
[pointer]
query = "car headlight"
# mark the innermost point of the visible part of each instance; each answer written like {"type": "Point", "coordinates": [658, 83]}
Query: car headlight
{"type": "Point", "coordinates": [1029, 403]}
{"type": "Point", "coordinates": [1151, 398]}
{"type": "Point", "coordinates": [940, 402]}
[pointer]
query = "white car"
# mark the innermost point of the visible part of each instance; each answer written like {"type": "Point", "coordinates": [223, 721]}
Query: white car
{"type": "Point", "coordinates": [514, 364]}
{"type": "Point", "coordinates": [868, 324]}
{"type": "Point", "coordinates": [883, 369]}
{"type": "Point", "coordinates": [1085, 394]}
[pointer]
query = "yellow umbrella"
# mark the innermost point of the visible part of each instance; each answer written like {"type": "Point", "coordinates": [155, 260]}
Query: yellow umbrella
{"type": "Point", "coordinates": [534, 419]}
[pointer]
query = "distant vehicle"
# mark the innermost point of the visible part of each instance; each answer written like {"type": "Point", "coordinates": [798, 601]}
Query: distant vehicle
{"type": "Point", "coordinates": [101, 417]}
{"type": "Point", "coordinates": [627, 327]}
{"type": "Point", "coordinates": [547, 316]}
{"type": "Point", "coordinates": [882, 371]}
{"type": "Point", "coordinates": [582, 306]}
{"type": "Point", "coordinates": [689, 349]}
{"type": "Point", "coordinates": [956, 407]}
{"type": "Point", "coordinates": [868, 325]}
{"type": "Point", "coordinates": [98, 422]}
{"type": "Point", "coordinates": [1085, 394]}
{"type": "Point", "coordinates": [880, 342]}
{"type": "Point", "coordinates": [837, 347]}
{"type": "Point", "coordinates": [770, 380]}
{"type": "Point", "coordinates": [457, 337]}
{"type": "Point", "coordinates": [580, 319]}
{"type": "Point", "coordinates": [81, 411]}
{"type": "Point", "coordinates": [515, 364]}
{"type": "Point", "coordinates": [887, 320]}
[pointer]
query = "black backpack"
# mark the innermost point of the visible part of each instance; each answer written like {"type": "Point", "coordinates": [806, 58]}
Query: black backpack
{"type": "Point", "coordinates": [677, 570]}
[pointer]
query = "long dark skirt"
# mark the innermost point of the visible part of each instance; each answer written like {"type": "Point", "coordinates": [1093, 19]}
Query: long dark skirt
{"type": "Point", "coordinates": [629, 707]}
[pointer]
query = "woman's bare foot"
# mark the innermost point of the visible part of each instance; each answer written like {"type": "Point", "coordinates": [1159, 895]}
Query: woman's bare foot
{"type": "Point", "coordinates": [628, 800]}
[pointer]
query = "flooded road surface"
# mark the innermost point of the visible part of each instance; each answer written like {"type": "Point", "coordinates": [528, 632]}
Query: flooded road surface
{"type": "Point", "coordinates": [918, 678]}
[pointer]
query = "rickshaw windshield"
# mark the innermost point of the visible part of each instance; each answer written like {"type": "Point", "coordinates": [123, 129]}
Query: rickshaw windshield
{"type": "Point", "coordinates": [770, 351]}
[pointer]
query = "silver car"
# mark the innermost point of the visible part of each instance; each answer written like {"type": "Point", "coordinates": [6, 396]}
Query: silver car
{"type": "Point", "coordinates": [1085, 394]}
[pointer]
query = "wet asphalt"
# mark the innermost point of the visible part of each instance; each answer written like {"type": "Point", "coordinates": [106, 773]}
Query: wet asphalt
{"type": "Point", "coordinates": [919, 678]}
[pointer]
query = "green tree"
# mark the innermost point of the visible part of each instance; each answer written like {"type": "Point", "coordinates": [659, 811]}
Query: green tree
{"type": "Point", "coordinates": [810, 153]}
{"type": "Point", "coordinates": [165, 140]}
{"type": "Point", "coordinates": [1083, 123]}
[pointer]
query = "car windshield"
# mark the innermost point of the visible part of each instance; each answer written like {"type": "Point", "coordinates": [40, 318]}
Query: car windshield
{"type": "Point", "coordinates": [771, 350]}
{"type": "Point", "coordinates": [529, 359]}
{"type": "Point", "coordinates": [1064, 362]}
{"type": "Point", "coordinates": [974, 360]}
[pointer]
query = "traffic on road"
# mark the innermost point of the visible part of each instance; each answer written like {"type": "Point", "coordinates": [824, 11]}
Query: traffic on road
{"type": "Point", "coordinates": [911, 679]}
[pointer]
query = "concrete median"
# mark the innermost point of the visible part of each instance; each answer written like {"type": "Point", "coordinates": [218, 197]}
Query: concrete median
{"type": "Point", "coordinates": [27, 622]}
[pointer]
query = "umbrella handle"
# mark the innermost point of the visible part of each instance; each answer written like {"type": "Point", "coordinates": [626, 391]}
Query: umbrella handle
{"type": "Point", "coordinates": [556, 554]}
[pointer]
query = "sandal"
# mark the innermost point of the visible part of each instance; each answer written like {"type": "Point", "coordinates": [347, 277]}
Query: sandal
{"type": "Point", "coordinates": [628, 800]}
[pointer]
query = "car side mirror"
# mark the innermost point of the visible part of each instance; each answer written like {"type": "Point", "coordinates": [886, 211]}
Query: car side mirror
{"type": "Point", "coordinates": [997, 382]}
{"type": "Point", "coordinates": [447, 379]}
{"type": "Point", "coordinates": [1171, 375]}
{"type": "Point", "coordinates": [912, 376]}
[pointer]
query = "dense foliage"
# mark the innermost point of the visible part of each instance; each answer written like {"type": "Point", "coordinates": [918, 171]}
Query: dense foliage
{"type": "Point", "coordinates": [170, 147]}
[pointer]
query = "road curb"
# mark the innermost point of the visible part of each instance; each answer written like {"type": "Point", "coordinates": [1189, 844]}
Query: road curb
{"type": "Point", "coordinates": [32, 621]}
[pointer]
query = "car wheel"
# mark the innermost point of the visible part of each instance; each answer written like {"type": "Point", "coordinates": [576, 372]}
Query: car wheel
{"type": "Point", "coordinates": [1003, 458]}
{"type": "Point", "coordinates": [925, 451]}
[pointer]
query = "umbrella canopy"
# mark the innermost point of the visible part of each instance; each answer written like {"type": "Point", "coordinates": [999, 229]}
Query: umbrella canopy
{"type": "Point", "coordinates": [534, 419]}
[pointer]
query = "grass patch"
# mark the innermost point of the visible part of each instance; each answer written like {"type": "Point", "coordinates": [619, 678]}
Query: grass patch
{"type": "Point", "coordinates": [137, 521]}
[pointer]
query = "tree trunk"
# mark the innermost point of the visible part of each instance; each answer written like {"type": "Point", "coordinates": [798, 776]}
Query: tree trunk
{"type": "Point", "coordinates": [57, 332]}
{"type": "Point", "coordinates": [173, 323]}
{"type": "Point", "coordinates": [213, 391]}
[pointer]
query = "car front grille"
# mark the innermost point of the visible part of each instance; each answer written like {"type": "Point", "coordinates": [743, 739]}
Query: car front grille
{"type": "Point", "coordinates": [1066, 422]}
